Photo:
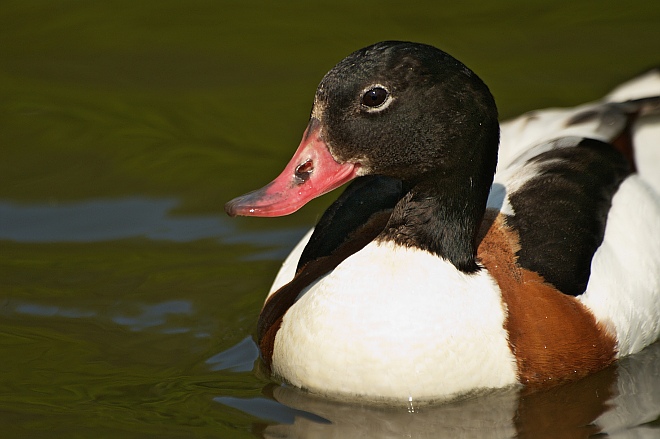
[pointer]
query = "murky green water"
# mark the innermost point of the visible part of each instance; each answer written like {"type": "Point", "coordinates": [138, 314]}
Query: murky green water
{"type": "Point", "coordinates": [128, 299]}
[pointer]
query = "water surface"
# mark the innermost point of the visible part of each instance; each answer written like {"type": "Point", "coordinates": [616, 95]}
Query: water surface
{"type": "Point", "coordinates": [128, 300]}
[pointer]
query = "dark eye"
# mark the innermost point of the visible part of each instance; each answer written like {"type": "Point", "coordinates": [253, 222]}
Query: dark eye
{"type": "Point", "coordinates": [375, 97]}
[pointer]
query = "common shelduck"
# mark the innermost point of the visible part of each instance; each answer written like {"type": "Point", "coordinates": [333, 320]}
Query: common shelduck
{"type": "Point", "coordinates": [439, 271]}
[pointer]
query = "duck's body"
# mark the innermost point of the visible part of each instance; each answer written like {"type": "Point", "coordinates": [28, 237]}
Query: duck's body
{"type": "Point", "coordinates": [422, 281]}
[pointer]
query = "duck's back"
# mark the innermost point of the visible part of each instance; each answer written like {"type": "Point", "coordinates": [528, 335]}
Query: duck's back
{"type": "Point", "coordinates": [581, 189]}
{"type": "Point", "coordinates": [557, 202]}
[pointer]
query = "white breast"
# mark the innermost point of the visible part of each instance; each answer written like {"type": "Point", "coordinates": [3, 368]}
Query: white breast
{"type": "Point", "coordinates": [393, 323]}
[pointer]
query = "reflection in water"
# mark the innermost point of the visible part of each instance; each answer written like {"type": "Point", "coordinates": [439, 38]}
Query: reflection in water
{"type": "Point", "coordinates": [636, 400]}
{"type": "Point", "coordinates": [103, 220]}
{"type": "Point", "coordinates": [151, 316]}
{"type": "Point", "coordinates": [618, 401]}
{"type": "Point", "coordinates": [238, 358]}
{"type": "Point", "coordinates": [155, 317]}
{"type": "Point", "coordinates": [269, 410]}
{"type": "Point", "coordinates": [106, 220]}
{"type": "Point", "coordinates": [488, 415]}
{"type": "Point", "coordinates": [50, 311]}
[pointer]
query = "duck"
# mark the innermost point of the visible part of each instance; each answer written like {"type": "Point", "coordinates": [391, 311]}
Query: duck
{"type": "Point", "coordinates": [465, 255]}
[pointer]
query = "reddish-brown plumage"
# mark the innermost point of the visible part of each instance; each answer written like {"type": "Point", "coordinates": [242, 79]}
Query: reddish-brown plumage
{"type": "Point", "coordinates": [552, 335]}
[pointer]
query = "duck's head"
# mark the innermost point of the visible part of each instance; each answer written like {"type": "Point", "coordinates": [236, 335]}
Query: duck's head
{"type": "Point", "coordinates": [399, 109]}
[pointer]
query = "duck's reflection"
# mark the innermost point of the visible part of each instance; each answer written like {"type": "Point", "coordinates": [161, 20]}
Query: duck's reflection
{"type": "Point", "coordinates": [480, 416]}
{"type": "Point", "coordinates": [621, 401]}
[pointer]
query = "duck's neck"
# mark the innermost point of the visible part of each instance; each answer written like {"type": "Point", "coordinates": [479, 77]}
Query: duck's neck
{"type": "Point", "coordinates": [442, 215]}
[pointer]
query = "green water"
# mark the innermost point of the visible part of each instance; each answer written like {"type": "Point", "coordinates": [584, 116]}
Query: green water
{"type": "Point", "coordinates": [127, 298]}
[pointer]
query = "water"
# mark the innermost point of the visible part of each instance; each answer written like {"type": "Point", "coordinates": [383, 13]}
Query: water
{"type": "Point", "coordinates": [127, 298]}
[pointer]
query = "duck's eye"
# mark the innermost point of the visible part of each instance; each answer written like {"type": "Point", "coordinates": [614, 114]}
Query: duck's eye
{"type": "Point", "coordinates": [375, 97]}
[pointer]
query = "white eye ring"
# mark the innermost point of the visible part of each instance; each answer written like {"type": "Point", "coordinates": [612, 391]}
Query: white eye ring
{"type": "Point", "coordinates": [375, 98]}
